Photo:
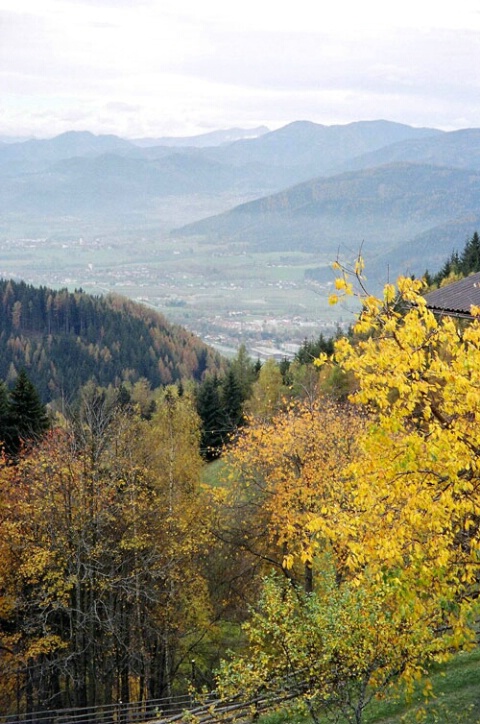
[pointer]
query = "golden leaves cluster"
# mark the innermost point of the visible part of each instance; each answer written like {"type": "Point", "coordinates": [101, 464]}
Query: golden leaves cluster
{"type": "Point", "coordinates": [390, 494]}
{"type": "Point", "coordinates": [289, 477]}
{"type": "Point", "coordinates": [417, 480]}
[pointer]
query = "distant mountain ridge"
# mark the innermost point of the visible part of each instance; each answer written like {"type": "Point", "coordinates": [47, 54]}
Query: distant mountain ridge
{"type": "Point", "coordinates": [458, 149]}
{"type": "Point", "coordinates": [385, 207]}
{"type": "Point", "coordinates": [203, 140]}
{"type": "Point", "coordinates": [34, 155]}
{"type": "Point", "coordinates": [393, 187]}
{"type": "Point", "coordinates": [80, 173]}
{"type": "Point", "coordinates": [317, 148]}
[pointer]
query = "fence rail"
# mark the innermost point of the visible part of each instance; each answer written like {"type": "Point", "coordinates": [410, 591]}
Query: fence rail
{"type": "Point", "coordinates": [119, 713]}
{"type": "Point", "coordinates": [207, 709]}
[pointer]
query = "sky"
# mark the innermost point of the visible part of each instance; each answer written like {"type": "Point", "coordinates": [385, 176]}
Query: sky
{"type": "Point", "coordinates": [140, 68]}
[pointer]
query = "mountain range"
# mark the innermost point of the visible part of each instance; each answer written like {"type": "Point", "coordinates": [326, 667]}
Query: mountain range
{"type": "Point", "coordinates": [386, 209]}
{"type": "Point", "coordinates": [204, 140]}
{"type": "Point", "coordinates": [409, 195]}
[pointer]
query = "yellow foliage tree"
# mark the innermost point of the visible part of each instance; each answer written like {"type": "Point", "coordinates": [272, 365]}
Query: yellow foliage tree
{"type": "Point", "coordinates": [344, 635]}
{"type": "Point", "coordinates": [102, 536]}
{"type": "Point", "coordinates": [287, 474]}
{"type": "Point", "coordinates": [415, 488]}
{"type": "Point", "coordinates": [268, 392]}
{"type": "Point", "coordinates": [402, 528]}
{"type": "Point", "coordinates": [417, 483]}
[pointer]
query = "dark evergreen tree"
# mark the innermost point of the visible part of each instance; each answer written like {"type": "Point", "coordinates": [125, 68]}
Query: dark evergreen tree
{"type": "Point", "coordinates": [4, 413]}
{"type": "Point", "coordinates": [124, 398]}
{"type": "Point", "coordinates": [429, 280]}
{"type": "Point", "coordinates": [468, 262]}
{"type": "Point", "coordinates": [284, 367]}
{"type": "Point", "coordinates": [232, 399]}
{"type": "Point", "coordinates": [311, 349]}
{"type": "Point", "coordinates": [470, 258]}
{"type": "Point", "coordinates": [27, 416]}
{"type": "Point", "coordinates": [212, 414]}
{"type": "Point", "coordinates": [451, 266]}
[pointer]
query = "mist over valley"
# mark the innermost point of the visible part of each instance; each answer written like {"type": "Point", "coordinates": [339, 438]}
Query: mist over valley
{"type": "Point", "coordinates": [233, 234]}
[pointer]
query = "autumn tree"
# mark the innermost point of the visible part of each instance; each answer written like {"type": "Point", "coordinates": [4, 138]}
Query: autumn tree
{"type": "Point", "coordinates": [172, 451]}
{"type": "Point", "coordinates": [9, 633]}
{"type": "Point", "coordinates": [268, 392]}
{"type": "Point", "coordinates": [402, 530]}
{"type": "Point", "coordinates": [326, 638]}
{"type": "Point", "coordinates": [416, 483]}
{"type": "Point", "coordinates": [4, 412]}
{"type": "Point", "coordinates": [104, 530]}
{"type": "Point", "coordinates": [285, 472]}
{"type": "Point", "coordinates": [326, 652]}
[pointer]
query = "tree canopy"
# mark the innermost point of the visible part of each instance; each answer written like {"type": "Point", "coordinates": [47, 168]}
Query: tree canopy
{"type": "Point", "coordinates": [400, 534]}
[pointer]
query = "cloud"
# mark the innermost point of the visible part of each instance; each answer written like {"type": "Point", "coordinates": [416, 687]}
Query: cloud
{"type": "Point", "coordinates": [159, 66]}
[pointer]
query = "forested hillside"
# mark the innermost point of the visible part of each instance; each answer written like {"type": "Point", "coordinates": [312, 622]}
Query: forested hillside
{"type": "Point", "coordinates": [64, 339]}
{"type": "Point", "coordinates": [331, 559]}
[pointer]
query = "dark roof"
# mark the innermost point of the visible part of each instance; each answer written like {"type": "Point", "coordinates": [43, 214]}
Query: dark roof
{"type": "Point", "coordinates": [456, 298]}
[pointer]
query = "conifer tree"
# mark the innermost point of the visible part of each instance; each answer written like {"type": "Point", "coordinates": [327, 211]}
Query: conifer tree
{"type": "Point", "coordinates": [27, 417]}
{"type": "Point", "coordinates": [468, 262]}
{"type": "Point", "coordinates": [212, 414]}
{"type": "Point", "coordinates": [470, 258]}
{"type": "Point", "coordinates": [246, 371]}
{"type": "Point", "coordinates": [4, 413]}
{"type": "Point", "coordinates": [232, 401]}
{"type": "Point", "coordinates": [312, 348]}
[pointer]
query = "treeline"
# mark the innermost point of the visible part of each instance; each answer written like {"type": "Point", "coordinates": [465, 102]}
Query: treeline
{"type": "Point", "coordinates": [63, 339]}
{"type": "Point", "coordinates": [459, 264]}
{"type": "Point", "coordinates": [250, 389]}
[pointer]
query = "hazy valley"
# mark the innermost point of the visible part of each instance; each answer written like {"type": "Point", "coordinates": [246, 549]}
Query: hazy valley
{"type": "Point", "coordinates": [234, 238]}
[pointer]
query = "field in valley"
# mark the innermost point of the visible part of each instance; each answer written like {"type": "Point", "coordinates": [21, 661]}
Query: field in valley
{"type": "Point", "coordinates": [220, 291]}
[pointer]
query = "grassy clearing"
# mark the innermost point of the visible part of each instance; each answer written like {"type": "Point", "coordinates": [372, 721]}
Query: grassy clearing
{"type": "Point", "coordinates": [213, 473]}
{"type": "Point", "coordinates": [456, 700]}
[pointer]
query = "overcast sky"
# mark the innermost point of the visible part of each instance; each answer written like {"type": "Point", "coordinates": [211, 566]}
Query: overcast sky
{"type": "Point", "coordinates": [180, 67]}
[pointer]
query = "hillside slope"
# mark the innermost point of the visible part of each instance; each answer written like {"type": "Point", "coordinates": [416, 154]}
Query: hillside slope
{"type": "Point", "coordinates": [64, 339]}
{"type": "Point", "coordinates": [382, 207]}
{"type": "Point", "coordinates": [457, 149]}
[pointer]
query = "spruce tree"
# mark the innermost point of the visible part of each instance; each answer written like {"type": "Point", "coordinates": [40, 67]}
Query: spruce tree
{"type": "Point", "coordinates": [27, 417]}
{"type": "Point", "coordinates": [311, 349]}
{"type": "Point", "coordinates": [4, 413]}
{"type": "Point", "coordinates": [470, 259]}
{"type": "Point", "coordinates": [245, 371]}
{"type": "Point", "coordinates": [232, 401]}
{"type": "Point", "coordinates": [212, 414]}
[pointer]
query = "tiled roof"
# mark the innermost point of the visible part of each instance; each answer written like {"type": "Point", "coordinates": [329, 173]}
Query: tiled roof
{"type": "Point", "coordinates": [456, 298]}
